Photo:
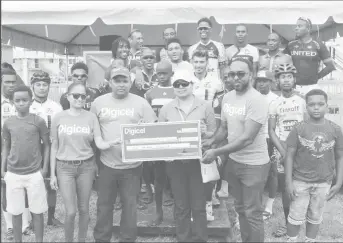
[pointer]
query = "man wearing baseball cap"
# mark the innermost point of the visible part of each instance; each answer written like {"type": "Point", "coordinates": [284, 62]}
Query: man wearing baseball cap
{"type": "Point", "coordinates": [112, 110]}
{"type": "Point", "coordinates": [263, 83]}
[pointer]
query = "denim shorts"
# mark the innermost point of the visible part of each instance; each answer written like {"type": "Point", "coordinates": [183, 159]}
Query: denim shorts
{"type": "Point", "coordinates": [309, 205]}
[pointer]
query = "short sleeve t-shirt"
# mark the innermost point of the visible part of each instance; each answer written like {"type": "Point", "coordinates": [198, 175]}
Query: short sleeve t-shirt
{"type": "Point", "coordinates": [158, 96]}
{"type": "Point", "coordinates": [306, 59]}
{"type": "Point", "coordinates": [248, 52]}
{"type": "Point", "coordinates": [208, 87]}
{"type": "Point", "coordinates": [25, 136]}
{"type": "Point", "coordinates": [75, 135]}
{"type": "Point", "coordinates": [216, 54]}
{"type": "Point", "coordinates": [314, 161]}
{"type": "Point", "coordinates": [288, 112]}
{"type": "Point", "coordinates": [236, 110]}
{"type": "Point", "coordinates": [111, 113]}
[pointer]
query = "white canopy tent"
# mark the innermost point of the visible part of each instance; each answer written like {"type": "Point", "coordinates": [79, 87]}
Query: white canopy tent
{"type": "Point", "coordinates": [54, 26]}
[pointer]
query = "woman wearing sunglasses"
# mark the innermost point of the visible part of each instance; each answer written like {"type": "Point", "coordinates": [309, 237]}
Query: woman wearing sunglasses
{"type": "Point", "coordinates": [185, 175]}
{"type": "Point", "coordinates": [73, 132]}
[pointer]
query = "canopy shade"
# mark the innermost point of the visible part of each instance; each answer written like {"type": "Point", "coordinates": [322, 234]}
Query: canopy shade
{"type": "Point", "coordinates": [51, 26]}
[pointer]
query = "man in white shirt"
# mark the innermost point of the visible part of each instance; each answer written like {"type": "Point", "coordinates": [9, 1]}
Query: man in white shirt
{"type": "Point", "coordinates": [242, 49]}
{"type": "Point", "coordinates": [46, 109]}
{"type": "Point", "coordinates": [175, 52]}
{"type": "Point", "coordinates": [215, 50]}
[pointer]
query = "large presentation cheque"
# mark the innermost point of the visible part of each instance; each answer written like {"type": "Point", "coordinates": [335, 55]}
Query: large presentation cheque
{"type": "Point", "coordinates": [161, 141]}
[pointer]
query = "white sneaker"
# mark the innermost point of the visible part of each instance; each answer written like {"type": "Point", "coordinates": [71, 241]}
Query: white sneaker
{"type": "Point", "coordinates": [209, 211]}
{"type": "Point", "coordinates": [223, 192]}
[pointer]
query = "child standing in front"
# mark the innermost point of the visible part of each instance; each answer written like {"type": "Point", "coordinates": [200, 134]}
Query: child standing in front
{"type": "Point", "coordinates": [315, 151]}
{"type": "Point", "coordinates": [22, 156]}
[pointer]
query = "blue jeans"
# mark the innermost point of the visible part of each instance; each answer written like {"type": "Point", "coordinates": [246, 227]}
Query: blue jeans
{"type": "Point", "coordinates": [76, 181]}
{"type": "Point", "coordinates": [246, 183]}
{"type": "Point", "coordinates": [110, 182]}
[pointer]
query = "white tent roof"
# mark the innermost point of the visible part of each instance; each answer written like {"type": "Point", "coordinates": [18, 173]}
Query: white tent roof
{"type": "Point", "coordinates": [51, 25]}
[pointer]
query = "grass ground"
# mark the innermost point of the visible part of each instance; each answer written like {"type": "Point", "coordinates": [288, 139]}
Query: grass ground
{"type": "Point", "coordinates": [331, 229]}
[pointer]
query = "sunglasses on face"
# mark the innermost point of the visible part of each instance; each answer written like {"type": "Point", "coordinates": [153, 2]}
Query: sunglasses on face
{"type": "Point", "coordinates": [77, 96]}
{"type": "Point", "coordinates": [80, 76]}
{"type": "Point", "coordinates": [203, 28]}
{"type": "Point", "coordinates": [181, 84]}
{"type": "Point", "coordinates": [148, 57]}
{"type": "Point", "coordinates": [239, 74]}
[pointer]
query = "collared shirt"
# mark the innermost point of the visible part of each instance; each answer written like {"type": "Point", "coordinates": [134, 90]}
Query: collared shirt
{"type": "Point", "coordinates": [201, 110]}
{"type": "Point", "coordinates": [269, 63]}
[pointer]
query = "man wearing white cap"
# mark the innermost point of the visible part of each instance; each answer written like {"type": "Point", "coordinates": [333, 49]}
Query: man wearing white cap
{"type": "Point", "coordinates": [112, 110]}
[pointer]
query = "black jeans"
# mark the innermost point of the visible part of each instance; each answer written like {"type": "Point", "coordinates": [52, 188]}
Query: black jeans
{"type": "Point", "coordinates": [189, 198]}
{"type": "Point", "coordinates": [246, 183]}
{"type": "Point", "coordinates": [110, 182]}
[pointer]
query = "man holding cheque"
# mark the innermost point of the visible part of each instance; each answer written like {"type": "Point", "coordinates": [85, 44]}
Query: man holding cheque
{"type": "Point", "coordinates": [112, 110]}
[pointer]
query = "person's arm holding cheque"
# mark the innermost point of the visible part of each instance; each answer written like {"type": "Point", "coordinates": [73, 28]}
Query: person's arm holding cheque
{"type": "Point", "coordinates": [256, 116]}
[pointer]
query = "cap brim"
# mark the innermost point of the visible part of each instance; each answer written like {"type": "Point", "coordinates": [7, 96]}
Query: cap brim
{"type": "Point", "coordinates": [120, 74]}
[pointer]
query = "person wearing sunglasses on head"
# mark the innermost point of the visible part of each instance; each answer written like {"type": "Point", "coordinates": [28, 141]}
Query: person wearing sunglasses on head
{"type": "Point", "coordinates": [307, 53]}
{"type": "Point", "coordinates": [241, 49]}
{"type": "Point", "coordinates": [185, 175]}
{"type": "Point", "coordinates": [73, 166]}
{"type": "Point", "coordinates": [148, 60]}
{"type": "Point", "coordinates": [79, 74]}
{"type": "Point", "coordinates": [215, 50]}
{"type": "Point", "coordinates": [243, 121]}
{"type": "Point", "coordinates": [45, 108]}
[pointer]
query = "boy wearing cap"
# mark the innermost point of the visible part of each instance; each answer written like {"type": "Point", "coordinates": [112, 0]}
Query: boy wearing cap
{"type": "Point", "coordinates": [112, 110]}
{"type": "Point", "coordinates": [45, 108]}
{"type": "Point", "coordinates": [263, 81]}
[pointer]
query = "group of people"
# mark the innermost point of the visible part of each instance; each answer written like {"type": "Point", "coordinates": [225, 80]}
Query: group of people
{"type": "Point", "coordinates": [262, 122]}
